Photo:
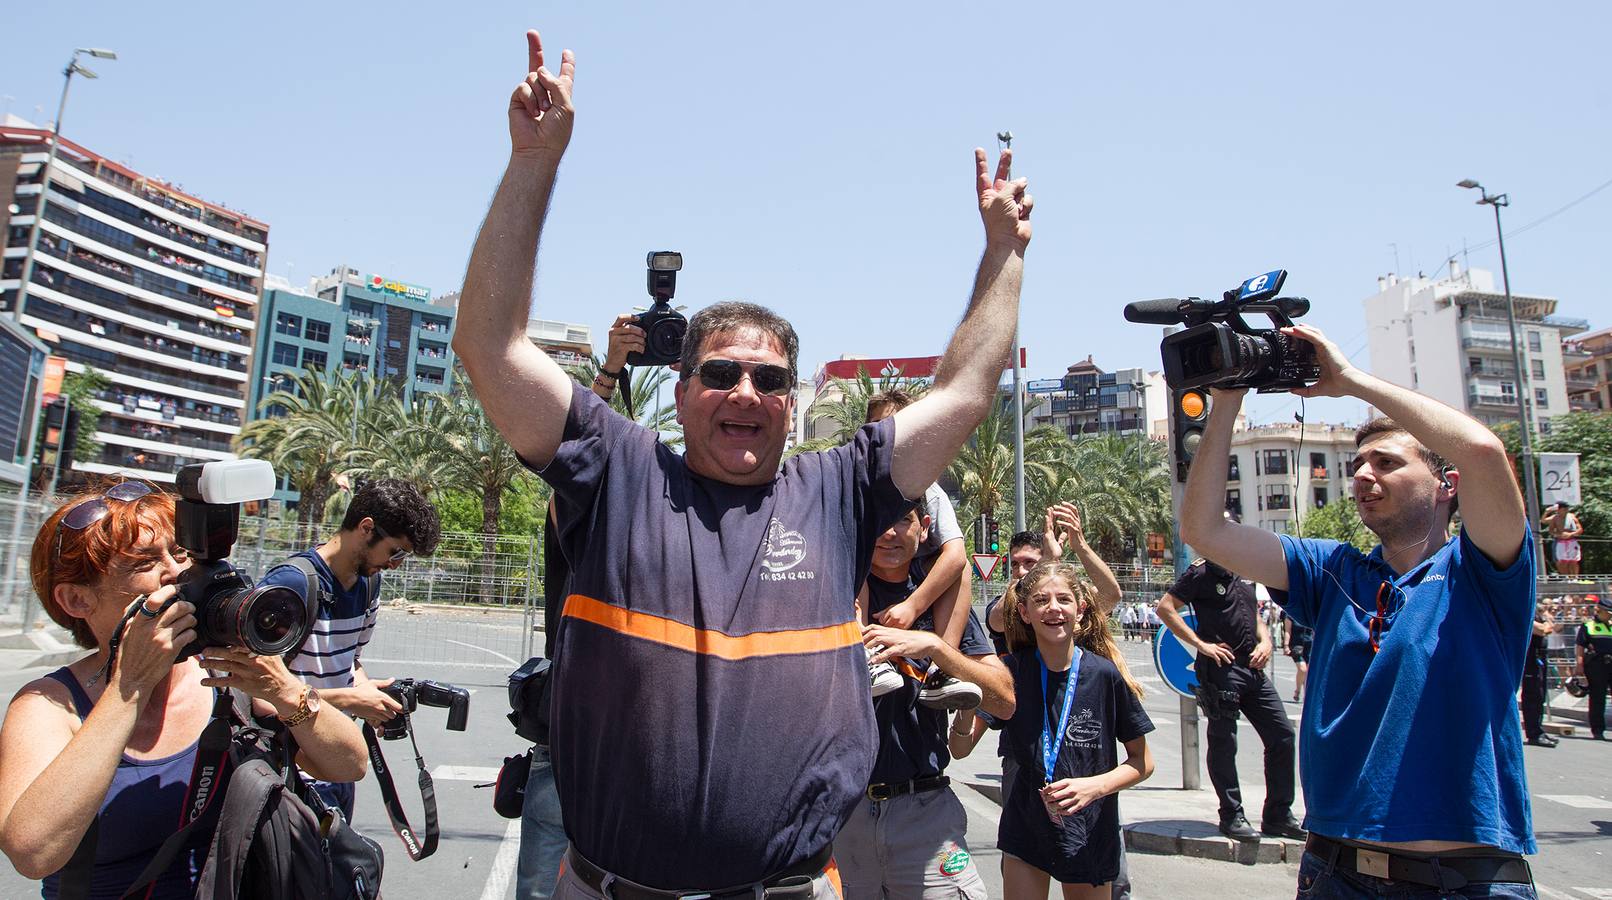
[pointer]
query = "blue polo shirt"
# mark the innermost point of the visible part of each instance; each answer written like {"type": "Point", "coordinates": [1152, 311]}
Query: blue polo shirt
{"type": "Point", "coordinates": [1420, 740]}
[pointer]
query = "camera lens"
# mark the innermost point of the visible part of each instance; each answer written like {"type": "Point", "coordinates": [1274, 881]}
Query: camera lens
{"type": "Point", "coordinates": [665, 338]}
{"type": "Point", "coordinates": [266, 620]}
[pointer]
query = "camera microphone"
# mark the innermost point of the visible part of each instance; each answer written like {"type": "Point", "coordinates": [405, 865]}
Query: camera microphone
{"type": "Point", "coordinates": [1155, 312]}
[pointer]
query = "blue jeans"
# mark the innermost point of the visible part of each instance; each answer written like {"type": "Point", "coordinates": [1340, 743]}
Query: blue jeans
{"type": "Point", "coordinates": [338, 795]}
{"type": "Point", "coordinates": [1320, 881]}
{"type": "Point", "coordinates": [542, 833]}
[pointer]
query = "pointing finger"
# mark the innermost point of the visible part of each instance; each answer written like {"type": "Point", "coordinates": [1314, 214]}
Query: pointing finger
{"type": "Point", "coordinates": [534, 51]}
{"type": "Point", "coordinates": [982, 176]}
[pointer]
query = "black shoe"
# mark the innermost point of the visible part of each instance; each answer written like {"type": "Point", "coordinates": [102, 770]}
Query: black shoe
{"type": "Point", "coordinates": [1238, 829]}
{"type": "Point", "coordinates": [1543, 740]}
{"type": "Point", "coordinates": [1286, 827]}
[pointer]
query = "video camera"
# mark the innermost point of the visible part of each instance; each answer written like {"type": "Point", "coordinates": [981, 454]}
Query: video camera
{"type": "Point", "coordinates": [663, 326]}
{"type": "Point", "coordinates": [411, 693]}
{"type": "Point", "coordinates": [1220, 349]}
{"type": "Point", "coordinates": [230, 611]}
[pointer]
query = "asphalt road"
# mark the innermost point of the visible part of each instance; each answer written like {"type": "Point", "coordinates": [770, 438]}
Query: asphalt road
{"type": "Point", "coordinates": [1572, 785]}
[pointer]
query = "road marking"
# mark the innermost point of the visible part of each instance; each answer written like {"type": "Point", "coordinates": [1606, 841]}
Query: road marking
{"type": "Point", "coordinates": [465, 773]}
{"type": "Point", "coordinates": [509, 851]}
{"type": "Point", "coordinates": [1577, 801]}
{"type": "Point", "coordinates": [1552, 894]}
{"type": "Point", "coordinates": [1594, 893]}
{"type": "Point", "coordinates": [513, 662]}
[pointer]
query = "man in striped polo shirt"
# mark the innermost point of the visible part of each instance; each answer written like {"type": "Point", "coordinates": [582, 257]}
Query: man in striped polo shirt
{"type": "Point", "coordinates": [386, 522]}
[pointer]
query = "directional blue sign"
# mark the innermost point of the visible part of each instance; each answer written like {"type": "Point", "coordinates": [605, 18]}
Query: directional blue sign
{"type": "Point", "coordinates": [1177, 664]}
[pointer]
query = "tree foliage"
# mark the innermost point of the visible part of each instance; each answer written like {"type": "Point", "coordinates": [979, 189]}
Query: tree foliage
{"type": "Point", "coordinates": [1340, 521]}
{"type": "Point", "coordinates": [80, 389]}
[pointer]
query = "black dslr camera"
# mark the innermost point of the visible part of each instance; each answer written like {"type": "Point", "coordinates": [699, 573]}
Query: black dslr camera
{"type": "Point", "coordinates": [230, 612]}
{"type": "Point", "coordinates": [663, 326]}
{"type": "Point", "coordinates": [411, 693]}
{"type": "Point", "coordinates": [1219, 349]}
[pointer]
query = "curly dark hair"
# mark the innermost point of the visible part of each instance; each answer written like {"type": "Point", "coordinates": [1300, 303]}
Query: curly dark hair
{"type": "Point", "coordinates": [399, 509]}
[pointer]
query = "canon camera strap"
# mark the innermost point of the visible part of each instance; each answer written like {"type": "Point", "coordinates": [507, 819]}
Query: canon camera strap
{"type": "Point", "coordinates": [394, 807]}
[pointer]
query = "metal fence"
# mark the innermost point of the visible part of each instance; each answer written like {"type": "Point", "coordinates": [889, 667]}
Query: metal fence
{"type": "Point", "coordinates": [476, 601]}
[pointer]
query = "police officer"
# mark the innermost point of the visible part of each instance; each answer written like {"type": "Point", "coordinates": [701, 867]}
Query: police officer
{"type": "Point", "coordinates": [1594, 663]}
{"type": "Point", "coordinates": [1234, 647]}
{"type": "Point", "coordinates": [1534, 671]}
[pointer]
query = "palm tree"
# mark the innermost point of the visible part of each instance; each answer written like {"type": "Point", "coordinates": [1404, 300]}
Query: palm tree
{"type": "Point", "coordinates": [312, 437]}
{"type": "Point", "coordinates": [846, 406]}
{"type": "Point", "coordinates": [481, 462]}
{"type": "Point", "coordinates": [983, 468]}
{"type": "Point", "coordinates": [1122, 485]}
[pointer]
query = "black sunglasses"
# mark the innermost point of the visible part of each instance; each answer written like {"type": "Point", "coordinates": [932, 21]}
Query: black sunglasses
{"type": "Point", "coordinates": [724, 375]}
{"type": "Point", "coordinates": [93, 510]}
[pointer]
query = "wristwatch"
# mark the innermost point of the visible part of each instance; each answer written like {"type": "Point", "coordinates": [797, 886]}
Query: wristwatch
{"type": "Point", "coordinates": [307, 707]}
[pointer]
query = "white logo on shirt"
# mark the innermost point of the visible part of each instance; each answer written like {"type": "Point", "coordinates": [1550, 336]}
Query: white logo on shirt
{"type": "Point", "coordinates": [783, 550]}
{"type": "Point", "coordinates": [1084, 730]}
{"type": "Point", "coordinates": [1434, 577]}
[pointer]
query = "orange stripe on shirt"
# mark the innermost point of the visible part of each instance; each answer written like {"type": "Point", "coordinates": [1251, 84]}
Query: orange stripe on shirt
{"type": "Point", "coordinates": [662, 630]}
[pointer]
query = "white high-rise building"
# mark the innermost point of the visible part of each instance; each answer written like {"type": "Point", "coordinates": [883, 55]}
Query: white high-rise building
{"type": "Point", "coordinates": [1448, 339]}
{"type": "Point", "coordinates": [152, 287]}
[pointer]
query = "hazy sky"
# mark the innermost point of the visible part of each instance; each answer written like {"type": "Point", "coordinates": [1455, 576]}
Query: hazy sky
{"type": "Point", "coordinates": [819, 160]}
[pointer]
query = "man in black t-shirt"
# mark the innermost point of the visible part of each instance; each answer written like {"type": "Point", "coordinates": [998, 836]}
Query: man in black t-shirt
{"type": "Point", "coordinates": [712, 728]}
{"type": "Point", "coordinates": [1234, 647]}
{"type": "Point", "coordinates": [907, 835]}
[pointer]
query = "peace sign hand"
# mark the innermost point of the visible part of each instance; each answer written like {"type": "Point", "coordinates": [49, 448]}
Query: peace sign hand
{"type": "Point", "coordinates": [540, 110]}
{"type": "Point", "coordinates": [1004, 204]}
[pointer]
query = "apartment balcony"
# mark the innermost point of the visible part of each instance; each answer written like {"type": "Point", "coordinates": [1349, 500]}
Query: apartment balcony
{"type": "Point", "coordinates": [163, 437]}
{"type": "Point", "coordinates": [118, 239]}
{"type": "Point", "coordinates": [119, 402]}
{"type": "Point", "coordinates": [1489, 344]}
{"type": "Point", "coordinates": [1488, 400]}
{"type": "Point", "coordinates": [200, 213]}
{"type": "Point", "coordinates": [162, 350]}
{"type": "Point", "coordinates": [1579, 385]}
{"type": "Point", "coordinates": [162, 228]}
{"type": "Point", "coordinates": [1493, 369]}
{"type": "Point", "coordinates": [1585, 403]}
{"type": "Point", "coordinates": [1318, 472]}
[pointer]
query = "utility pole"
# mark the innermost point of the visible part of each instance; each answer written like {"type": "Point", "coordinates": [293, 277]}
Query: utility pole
{"type": "Point", "coordinates": [1524, 423]}
{"type": "Point", "coordinates": [1005, 138]}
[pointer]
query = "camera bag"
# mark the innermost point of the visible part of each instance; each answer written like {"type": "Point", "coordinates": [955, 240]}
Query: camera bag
{"type": "Point", "coordinates": [509, 790]}
{"type": "Point", "coordinates": [275, 838]}
{"type": "Point", "coordinates": [529, 689]}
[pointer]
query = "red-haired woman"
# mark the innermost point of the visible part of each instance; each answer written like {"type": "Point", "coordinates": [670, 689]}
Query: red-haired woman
{"type": "Point", "coordinates": [77, 745]}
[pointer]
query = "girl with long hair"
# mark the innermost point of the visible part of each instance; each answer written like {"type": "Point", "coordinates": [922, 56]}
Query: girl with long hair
{"type": "Point", "coordinates": [1076, 701]}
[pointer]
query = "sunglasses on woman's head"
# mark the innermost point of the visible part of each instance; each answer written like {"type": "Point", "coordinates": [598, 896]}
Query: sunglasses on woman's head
{"type": "Point", "coordinates": [724, 375]}
{"type": "Point", "coordinates": [93, 510]}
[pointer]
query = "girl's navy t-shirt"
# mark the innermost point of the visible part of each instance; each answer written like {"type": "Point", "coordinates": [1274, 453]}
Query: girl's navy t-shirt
{"type": "Point", "coordinates": [1084, 847]}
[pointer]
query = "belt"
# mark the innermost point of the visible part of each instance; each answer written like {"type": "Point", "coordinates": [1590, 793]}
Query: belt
{"type": "Point", "coordinates": [792, 883]}
{"type": "Point", "coordinates": [1447, 873]}
{"type": "Point", "coordinates": [915, 786]}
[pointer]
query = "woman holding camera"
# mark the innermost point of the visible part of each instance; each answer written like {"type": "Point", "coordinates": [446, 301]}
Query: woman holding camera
{"type": "Point", "coordinates": [119, 742]}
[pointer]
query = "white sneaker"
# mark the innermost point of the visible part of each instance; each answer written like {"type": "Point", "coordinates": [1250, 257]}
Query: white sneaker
{"type": "Point", "coordinates": [941, 691]}
{"type": "Point", "coordinates": [883, 677]}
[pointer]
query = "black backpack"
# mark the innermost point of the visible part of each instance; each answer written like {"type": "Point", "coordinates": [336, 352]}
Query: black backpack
{"type": "Point", "coordinates": [275, 837]}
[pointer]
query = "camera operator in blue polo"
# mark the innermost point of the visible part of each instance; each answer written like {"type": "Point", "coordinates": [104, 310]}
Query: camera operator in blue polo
{"type": "Point", "coordinates": [1410, 755]}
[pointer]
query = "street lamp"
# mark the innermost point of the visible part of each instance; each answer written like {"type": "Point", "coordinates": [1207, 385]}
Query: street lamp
{"type": "Point", "coordinates": [73, 68]}
{"type": "Point", "coordinates": [1525, 426]}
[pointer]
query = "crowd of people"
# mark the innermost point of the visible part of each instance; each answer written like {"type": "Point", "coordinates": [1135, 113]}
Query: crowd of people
{"type": "Point", "coordinates": [762, 667]}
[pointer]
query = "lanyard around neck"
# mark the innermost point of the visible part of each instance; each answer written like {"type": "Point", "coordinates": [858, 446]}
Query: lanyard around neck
{"type": "Point", "coordinates": [1052, 741]}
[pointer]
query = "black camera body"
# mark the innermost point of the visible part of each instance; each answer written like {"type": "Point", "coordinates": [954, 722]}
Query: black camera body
{"type": "Point", "coordinates": [663, 326]}
{"type": "Point", "coordinates": [1219, 349]}
{"type": "Point", "coordinates": [529, 688]}
{"type": "Point", "coordinates": [411, 693]}
{"type": "Point", "coordinates": [230, 611]}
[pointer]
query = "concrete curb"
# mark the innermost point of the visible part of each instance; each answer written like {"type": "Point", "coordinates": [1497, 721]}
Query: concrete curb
{"type": "Point", "coordinates": [47, 648]}
{"type": "Point", "coordinates": [1181, 837]}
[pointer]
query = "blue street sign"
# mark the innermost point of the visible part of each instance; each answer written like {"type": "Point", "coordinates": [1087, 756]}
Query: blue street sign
{"type": "Point", "coordinates": [1177, 663]}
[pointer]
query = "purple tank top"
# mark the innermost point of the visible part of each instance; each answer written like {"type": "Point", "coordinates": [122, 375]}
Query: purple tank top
{"type": "Point", "coordinates": [141, 809]}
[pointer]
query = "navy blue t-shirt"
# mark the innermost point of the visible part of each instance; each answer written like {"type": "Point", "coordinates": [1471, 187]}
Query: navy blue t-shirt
{"type": "Point", "coordinates": [712, 722]}
{"type": "Point", "coordinates": [912, 738]}
{"type": "Point", "coordinates": [1418, 740]}
{"type": "Point", "coordinates": [1083, 848]}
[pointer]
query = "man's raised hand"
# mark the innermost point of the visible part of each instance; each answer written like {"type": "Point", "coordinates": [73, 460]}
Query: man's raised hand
{"type": "Point", "coordinates": [540, 110]}
{"type": "Point", "coordinates": [1335, 367]}
{"type": "Point", "coordinates": [1004, 204]}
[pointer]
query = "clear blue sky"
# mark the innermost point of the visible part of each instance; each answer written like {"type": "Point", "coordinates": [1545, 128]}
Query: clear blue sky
{"type": "Point", "coordinates": [816, 157]}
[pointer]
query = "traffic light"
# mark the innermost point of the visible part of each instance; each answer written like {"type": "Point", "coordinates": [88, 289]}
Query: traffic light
{"type": "Point", "coordinates": [993, 536]}
{"type": "Point", "coordinates": [61, 428]}
{"type": "Point", "coordinates": [1189, 410]}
